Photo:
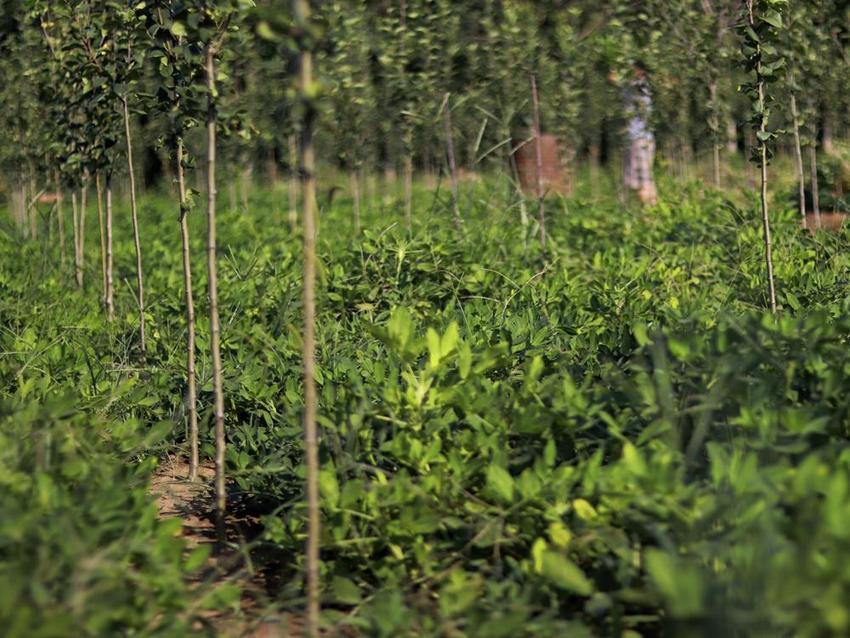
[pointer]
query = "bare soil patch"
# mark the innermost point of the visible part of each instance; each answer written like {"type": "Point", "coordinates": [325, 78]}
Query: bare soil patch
{"type": "Point", "coordinates": [256, 573]}
{"type": "Point", "coordinates": [828, 221]}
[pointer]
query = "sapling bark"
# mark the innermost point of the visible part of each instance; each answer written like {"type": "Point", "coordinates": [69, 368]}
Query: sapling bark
{"type": "Point", "coordinates": [110, 285]}
{"type": "Point", "coordinates": [714, 125]}
{"type": "Point", "coordinates": [408, 189]}
{"type": "Point", "coordinates": [517, 184]}
{"type": "Point", "coordinates": [292, 191]}
{"type": "Point", "coordinates": [827, 142]}
{"type": "Point", "coordinates": [538, 150]}
{"type": "Point", "coordinates": [813, 163]}
{"type": "Point", "coordinates": [731, 135]}
{"type": "Point", "coordinates": [60, 215]}
{"type": "Point", "coordinates": [191, 391]}
{"type": "Point", "coordinates": [301, 14]}
{"type": "Point", "coordinates": [82, 226]}
{"type": "Point", "coordinates": [354, 180]}
{"type": "Point", "coordinates": [798, 156]}
{"type": "Point", "coordinates": [75, 221]}
{"type": "Point", "coordinates": [140, 286]}
{"type": "Point", "coordinates": [761, 139]}
{"type": "Point", "coordinates": [99, 189]}
{"type": "Point", "coordinates": [212, 275]}
{"type": "Point", "coordinates": [79, 215]}
{"type": "Point", "coordinates": [371, 191]}
{"type": "Point", "coordinates": [450, 151]}
{"type": "Point", "coordinates": [24, 214]}
{"type": "Point", "coordinates": [32, 208]}
{"type": "Point", "coordinates": [18, 208]}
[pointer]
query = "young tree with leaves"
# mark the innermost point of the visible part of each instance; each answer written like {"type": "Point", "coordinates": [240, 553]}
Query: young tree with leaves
{"type": "Point", "coordinates": [179, 99]}
{"type": "Point", "coordinates": [208, 25]}
{"type": "Point", "coordinates": [409, 67]}
{"type": "Point", "coordinates": [307, 100]}
{"type": "Point", "coordinates": [797, 45]}
{"type": "Point", "coordinates": [216, 25]}
{"type": "Point", "coordinates": [350, 92]}
{"type": "Point", "coordinates": [761, 31]}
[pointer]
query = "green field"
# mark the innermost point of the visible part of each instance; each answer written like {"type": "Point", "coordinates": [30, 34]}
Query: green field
{"type": "Point", "coordinates": [608, 439]}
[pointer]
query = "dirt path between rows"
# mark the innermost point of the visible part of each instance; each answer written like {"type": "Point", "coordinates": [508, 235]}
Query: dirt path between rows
{"type": "Point", "coordinates": [192, 503]}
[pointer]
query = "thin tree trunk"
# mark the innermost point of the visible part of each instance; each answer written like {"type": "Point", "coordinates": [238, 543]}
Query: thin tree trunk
{"type": "Point", "coordinates": [215, 326]}
{"type": "Point", "coordinates": [813, 162]}
{"type": "Point", "coordinates": [541, 208]}
{"type": "Point", "coordinates": [51, 234]}
{"type": "Point", "coordinates": [354, 179]}
{"type": "Point", "coordinates": [301, 14]}
{"type": "Point", "coordinates": [371, 191]}
{"type": "Point", "coordinates": [136, 239]}
{"type": "Point", "coordinates": [110, 285]}
{"type": "Point", "coordinates": [84, 193]}
{"type": "Point", "coordinates": [191, 391]}
{"type": "Point", "coordinates": [523, 211]}
{"type": "Point", "coordinates": [293, 184]}
{"type": "Point", "coordinates": [24, 212]}
{"type": "Point", "coordinates": [75, 220]}
{"type": "Point", "coordinates": [827, 144]}
{"type": "Point", "coordinates": [450, 150]}
{"type": "Point", "coordinates": [32, 209]}
{"type": "Point", "coordinates": [798, 155]}
{"type": "Point", "coordinates": [408, 189]}
{"type": "Point", "coordinates": [99, 188]}
{"type": "Point", "coordinates": [714, 124]}
{"type": "Point", "coordinates": [569, 156]}
{"type": "Point", "coordinates": [60, 214]}
{"type": "Point", "coordinates": [17, 209]}
{"type": "Point", "coordinates": [731, 136]}
{"type": "Point", "coordinates": [768, 246]}
{"type": "Point", "coordinates": [594, 171]}
{"type": "Point", "coordinates": [762, 147]}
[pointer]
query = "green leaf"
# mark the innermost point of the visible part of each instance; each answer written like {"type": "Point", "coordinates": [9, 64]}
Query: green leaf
{"type": "Point", "coordinates": [679, 583]}
{"type": "Point", "coordinates": [197, 557]}
{"type": "Point", "coordinates": [550, 453]}
{"type": "Point", "coordinates": [158, 433]}
{"type": "Point", "coordinates": [449, 340]}
{"type": "Point", "coordinates": [792, 300]}
{"type": "Point", "coordinates": [584, 510]}
{"type": "Point", "coordinates": [434, 350]}
{"type": "Point", "coordinates": [565, 574]}
{"type": "Point", "coordinates": [345, 591]}
{"type": "Point", "coordinates": [500, 483]}
{"type": "Point", "coordinates": [329, 487]}
{"type": "Point", "coordinates": [464, 360]}
{"type": "Point", "coordinates": [641, 336]}
{"type": "Point", "coordinates": [773, 18]}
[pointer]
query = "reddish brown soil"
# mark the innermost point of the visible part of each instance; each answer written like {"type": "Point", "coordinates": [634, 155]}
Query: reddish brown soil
{"type": "Point", "coordinates": [554, 175]}
{"type": "Point", "coordinates": [828, 221]}
{"type": "Point", "coordinates": [192, 503]}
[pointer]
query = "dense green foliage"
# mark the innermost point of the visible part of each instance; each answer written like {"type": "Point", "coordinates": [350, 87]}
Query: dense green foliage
{"type": "Point", "coordinates": [602, 433]}
{"type": "Point", "coordinates": [82, 549]}
{"type": "Point", "coordinates": [611, 441]}
{"type": "Point", "coordinates": [385, 68]}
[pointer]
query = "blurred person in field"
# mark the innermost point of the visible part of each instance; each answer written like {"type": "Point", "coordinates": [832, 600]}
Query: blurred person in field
{"type": "Point", "coordinates": [640, 156]}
